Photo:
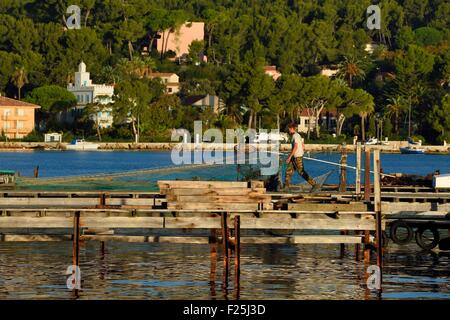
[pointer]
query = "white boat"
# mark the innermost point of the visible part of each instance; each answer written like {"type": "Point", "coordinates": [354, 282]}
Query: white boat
{"type": "Point", "coordinates": [81, 145]}
{"type": "Point", "coordinates": [441, 181]}
{"type": "Point", "coordinates": [411, 149]}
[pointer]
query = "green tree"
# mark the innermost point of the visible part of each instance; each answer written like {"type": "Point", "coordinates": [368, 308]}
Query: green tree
{"type": "Point", "coordinates": [394, 109]}
{"type": "Point", "coordinates": [439, 119]}
{"type": "Point", "coordinates": [19, 78]}
{"type": "Point", "coordinates": [351, 69]}
{"type": "Point", "coordinates": [132, 102]}
{"type": "Point", "coordinates": [54, 101]}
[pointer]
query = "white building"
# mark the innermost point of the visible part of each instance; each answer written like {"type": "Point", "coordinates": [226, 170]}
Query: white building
{"type": "Point", "coordinates": [170, 80]}
{"type": "Point", "coordinates": [86, 92]}
{"type": "Point", "coordinates": [53, 137]}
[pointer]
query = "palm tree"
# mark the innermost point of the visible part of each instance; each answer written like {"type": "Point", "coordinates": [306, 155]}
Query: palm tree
{"type": "Point", "coordinates": [110, 75]}
{"type": "Point", "coordinates": [149, 65]}
{"type": "Point", "coordinates": [363, 116]}
{"type": "Point", "coordinates": [395, 107]}
{"type": "Point", "coordinates": [351, 69]}
{"type": "Point", "coordinates": [19, 79]}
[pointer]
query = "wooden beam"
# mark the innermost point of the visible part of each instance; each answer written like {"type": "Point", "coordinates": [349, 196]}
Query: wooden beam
{"type": "Point", "coordinates": [358, 169]}
{"type": "Point", "coordinates": [328, 206]}
{"type": "Point", "coordinates": [316, 239]}
{"type": "Point", "coordinates": [367, 185]}
{"type": "Point", "coordinates": [202, 184]}
{"type": "Point", "coordinates": [123, 222]}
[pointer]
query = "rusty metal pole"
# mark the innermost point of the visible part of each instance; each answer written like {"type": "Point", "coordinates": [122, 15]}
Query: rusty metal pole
{"type": "Point", "coordinates": [367, 251]}
{"type": "Point", "coordinates": [225, 247]}
{"type": "Point", "coordinates": [213, 251]}
{"type": "Point", "coordinates": [379, 226]}
{"type": "Point", "coordinates": [357, 247]}
{"type": "Point", "coordinates": [367, 186]}
{"type": "Point", "coordinates": [76, 247]}
{"type": "Point", "coordinates": [237, 255]}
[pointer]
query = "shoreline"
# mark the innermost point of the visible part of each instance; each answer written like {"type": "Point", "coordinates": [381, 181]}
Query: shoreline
{"type": "Point", "coordinates": [393, 147]}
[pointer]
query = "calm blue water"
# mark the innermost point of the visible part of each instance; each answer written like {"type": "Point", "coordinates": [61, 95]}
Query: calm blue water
{"type": "Point", "coordinates": [161, 271]}
{"type": "Point", "coordinates": [63, 163]}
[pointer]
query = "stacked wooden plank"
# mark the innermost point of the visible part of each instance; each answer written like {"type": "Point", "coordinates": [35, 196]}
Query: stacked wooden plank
{"type": "Point", "coordinates": [215, 195]}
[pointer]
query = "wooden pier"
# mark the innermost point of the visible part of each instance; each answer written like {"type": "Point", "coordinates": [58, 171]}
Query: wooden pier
{"type": "Point", "coordinates": [227, 215]}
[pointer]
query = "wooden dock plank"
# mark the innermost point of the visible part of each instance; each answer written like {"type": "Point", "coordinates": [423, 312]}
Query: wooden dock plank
{"type": "Point", "coordinates": [202, 184]}
{"type": "Point", "coordinates": [308, 224]}
{"type": "Point", "coordinates": [304, 239]}
{"type": "Point", "coordinates": [123, 222]}
{"type": "Point", "coordinates": [36, 222]}
{"type": "Point", "coordinates": [328, 206]}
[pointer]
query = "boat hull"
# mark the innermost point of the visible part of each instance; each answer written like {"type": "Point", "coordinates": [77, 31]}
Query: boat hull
{"type": "Point", "coordinates": [82, 147]}
{"type": "Point", "coordinates": [411, 151]}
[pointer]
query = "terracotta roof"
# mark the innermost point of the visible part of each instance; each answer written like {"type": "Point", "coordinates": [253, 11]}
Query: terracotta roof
{"type": "Point", "coordinates": [270, 68]}
{"type": "Point", "coordinates": [7, 102]}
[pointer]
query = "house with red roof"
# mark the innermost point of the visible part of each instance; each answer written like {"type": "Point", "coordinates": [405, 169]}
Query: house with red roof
{"type": "Point", "coordinates": [17, 118]}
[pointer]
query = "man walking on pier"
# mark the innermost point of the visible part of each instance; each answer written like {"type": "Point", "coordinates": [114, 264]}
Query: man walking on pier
{"type": "Point", "coordinates": [295, 159]}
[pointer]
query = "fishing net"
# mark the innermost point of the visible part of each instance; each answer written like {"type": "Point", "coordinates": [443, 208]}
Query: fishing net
{"type": "Point", "coordinates": [146, 180]}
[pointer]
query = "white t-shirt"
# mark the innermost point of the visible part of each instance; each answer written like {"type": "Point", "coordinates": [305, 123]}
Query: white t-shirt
{"type": "Point", "coordinates": [296, 138]}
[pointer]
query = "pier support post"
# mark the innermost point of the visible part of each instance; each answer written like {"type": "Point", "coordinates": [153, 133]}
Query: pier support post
{"type": "Point", "coordinates": [343, 177]}
{"type": "Point", "coordinates": [76, 239]}
{"type": "Point", "coordinates": [358, 170]}
{"type": "Point", "coordinates": [226, 249]}
{"type": "Point", "coordinates": [357, 247]}
{"type": "Point", "coordinates": [213, 251]}
{"type": "Point", "coordinates": [366, 246]}
{"type": "Point", "coordinates": [379, 226]}
{"type": "Point", "coordinates": [237, 255]}
{"type": "Point", "coordinates": [76, 251]}
{"type": "Point", "coordinates": [367, 186]}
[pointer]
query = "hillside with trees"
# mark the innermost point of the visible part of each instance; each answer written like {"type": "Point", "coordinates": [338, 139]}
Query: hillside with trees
{"type": "Point", "coordinates": [408, 74]}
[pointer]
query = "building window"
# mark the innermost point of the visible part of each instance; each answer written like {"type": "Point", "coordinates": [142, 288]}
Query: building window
{"type": "Point", "coordinates": [170, 90]}
{"type": "Point", "coordinates": [7, 113]}
{"type": "Point", "coordinates": [87, 98]}
{"type": "Point", "coordinates": [20, 125]}
{"type": "Point", "coordinates": [20, 112]}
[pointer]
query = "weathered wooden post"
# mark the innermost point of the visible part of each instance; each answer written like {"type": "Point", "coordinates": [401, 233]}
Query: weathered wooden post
{"type": "Point", "coordinates": [379, 226]}
{"type": "Point", "coordinates": [237, 255]}
{"type": "Point", "coordinates": [225, 247]}
{"type": "Point", "coordinates": [358, 170]}
{"type": "Point", "coordinates": [343, 177]}
{"type": "Point", "coordinates": [36, 172]}
{"type": "Point", "coordinates": [367, 186]}
{"type": "Point", "coordinates": [358, 189]}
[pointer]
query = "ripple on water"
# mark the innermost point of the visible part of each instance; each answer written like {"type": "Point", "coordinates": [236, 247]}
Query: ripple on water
{"type": "Point", "coordinates": [163, 271]}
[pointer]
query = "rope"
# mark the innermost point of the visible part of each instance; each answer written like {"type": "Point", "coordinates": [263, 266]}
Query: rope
{"type": "Point", "coordinates": [334, 164]}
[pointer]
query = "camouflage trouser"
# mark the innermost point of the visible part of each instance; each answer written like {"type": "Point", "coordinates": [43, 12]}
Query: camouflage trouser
{"type": "Point", "coordinates": [297, 165]}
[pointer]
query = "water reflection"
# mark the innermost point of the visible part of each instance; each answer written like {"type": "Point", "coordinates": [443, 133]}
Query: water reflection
{"type": "Point", "coordinates": [169, 271]}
